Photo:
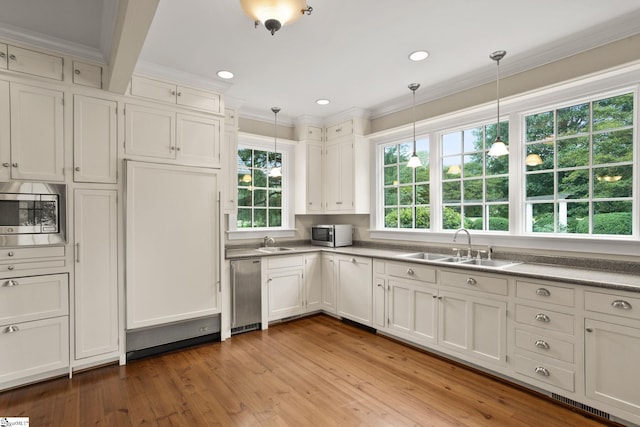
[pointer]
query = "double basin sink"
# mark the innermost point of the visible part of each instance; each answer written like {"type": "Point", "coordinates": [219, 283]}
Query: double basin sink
{"type": "Point", "coordinates": [446, 259]}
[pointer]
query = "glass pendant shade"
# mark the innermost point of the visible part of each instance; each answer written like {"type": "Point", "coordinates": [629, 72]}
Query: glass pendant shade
{"type": "Point", "coordinates": [498, 148]}
{"type": "Point", "coordinates": [275, 172]}
{"type": "Point", "coordinates": [454, 170]}
{"type": "Point", "coordinates": [283, 11]}
{"type": "Point", "coordinates": [414, 161]}
{"type": "Point", "coordinates": [533, 159]}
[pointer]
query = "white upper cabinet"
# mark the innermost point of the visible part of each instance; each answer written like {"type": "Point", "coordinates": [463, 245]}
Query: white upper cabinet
{"type": "Point", "coordinates": [87, 75]}
{"type": "Point", "coordinates": [94, 140]}
{"type": "Point", "coordinates": [158, 90]}
{"type": "Point", "coordinates": [34, 63]}
{"type": "Point", "coordinates": [37, 138]}
{"type": "Point", "coordinates": [198, 140]}
{"type": "Point", "coordinates": [229, 152]}
{"type": "Point", "coordinates": [3, 56]}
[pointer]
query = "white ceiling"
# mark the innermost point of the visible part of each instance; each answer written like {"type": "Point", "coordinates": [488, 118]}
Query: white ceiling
{"type": "Point", "coordinates": [353, 52]}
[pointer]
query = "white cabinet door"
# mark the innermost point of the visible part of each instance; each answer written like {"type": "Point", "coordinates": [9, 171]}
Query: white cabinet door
{"type": "Point", "coordinates": [95, 126]}
{"type": "Point", "coordinates": [284, 288]}
{"type": "Point", "coordinates": [412, 310]}
{"type": "Point", "coordinates": [380, 303]}
{"type": "Point", "coordinates": [172, 257]}
{"type": "Point", "coordinates": [328, 283]}
{"type": "Point", "coordinates": [150, 132]}
{"type": "Point", "coordinates": [339, 177]}
{"type": "Point", "coordinates": [35, 63]}
{"type": "Point", "coordinates": [37, 137]}
{"type": "Point", "coordinates": [312, 282]}
{"type": "Point", "coordinates": [315, 161]}
{"type": "Point", "coordinates": [5, 131]}
{"type": "Point", "coordinates": [473, 326]}
{"type": "Point", "coordinates": [611, 364]}
{"type": "Point", "coordinates": [229, 152]}
{"type": "Point", "coordinates": [198, 140]}
{"type": "Point", "coordinates": [355, 288]}
{"type": "Point", "coordinates": [96, 272]}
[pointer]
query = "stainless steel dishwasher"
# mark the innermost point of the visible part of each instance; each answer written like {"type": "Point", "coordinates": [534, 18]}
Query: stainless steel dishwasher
{"type": "Point", "coordinates": [246, 306]}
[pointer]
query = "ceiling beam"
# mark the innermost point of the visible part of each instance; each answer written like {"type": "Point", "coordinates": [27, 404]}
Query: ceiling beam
{"type": "Point", "coordinates": [132, 25]}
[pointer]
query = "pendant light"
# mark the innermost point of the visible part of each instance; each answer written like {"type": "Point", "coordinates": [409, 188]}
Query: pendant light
{"type": "Point", "coordinates": [533, 159]}
{"type": "Point", "coordinates": [498, 148]}
{"type": "Point", "coordinates": [414, 160]}
{"type": "Point", "coordinates": [275, 171]}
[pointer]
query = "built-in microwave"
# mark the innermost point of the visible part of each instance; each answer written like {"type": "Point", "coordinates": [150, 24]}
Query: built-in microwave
{"type": "Point", "coordinates": [332, 235]}
{"type": "Point", "coordinates": [32, 213]}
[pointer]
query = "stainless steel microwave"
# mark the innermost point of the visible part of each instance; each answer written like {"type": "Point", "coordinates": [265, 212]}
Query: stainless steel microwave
{"type": "Point", "coordinates": [332, 235]}
{"type": "Point", "coordinates": [32, 213]}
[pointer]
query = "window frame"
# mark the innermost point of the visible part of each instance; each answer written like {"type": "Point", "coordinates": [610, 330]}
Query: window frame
{"type": "Point", "coordinates": [599, 85]}
{"type": "Point", "coordinates": [286, 150]}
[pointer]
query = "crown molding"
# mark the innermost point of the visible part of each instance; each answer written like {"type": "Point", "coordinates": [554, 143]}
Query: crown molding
{"type": "Point", "coordinates": [168, 73]}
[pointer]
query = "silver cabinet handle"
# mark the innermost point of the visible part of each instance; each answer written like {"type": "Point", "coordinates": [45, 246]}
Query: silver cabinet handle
{"type": "Point", "coordinates": [542, 344]}
{"type": "Point", "coordinates": [14, 164]}
{"type": "Point", "coordinates": [12, 57]}
{"type": "Point", "coordinates": [10, 283]}
{"type": "Point", "coordinates": [543, 292]}
{"type": "Point", "coordinates": [338, 203]}
{"type": "Point", "coordinates": [233, 296]}
{"type": "Point", "coordinates": [172, 148]}
{"type": "Point", "coordinates": [471, 281]}
{"type": "Point", "coordinates": [77, 72]}
{"type": "Point", "coordinates": [339, 130]}
{"type": "Point", "coordinates": [2, 54]}
{"type": "Point", "coordinates": [10, 329]}
{"type": "Point", "coordinates": [540, 317]}
{"type": "Point", "coordinates": [380, 285]}
{"type": "Point", "coordinates": [78, 252]}
{"type": "Point", "coordinates": [589, 329]}
{"type": "Point", "coordinates": [621, 304]}
{"type": "Point", "coordinates": [6, 164]}
{"type": "Point", "coordinates": [269, 279]}
{"type": "Point", "coordinates": [542, 371]}
{"type": "Point", "coordinates": [409, 272]}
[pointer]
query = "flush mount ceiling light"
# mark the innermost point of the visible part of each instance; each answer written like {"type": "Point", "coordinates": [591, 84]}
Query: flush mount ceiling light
{"type": "Point", "coordinates": [224, 74]}
{"type": "Point", "coordinates": [275, 171]}
{"type": "Point", "coordinates": [273, 14]}
{"type": "Point", "coordinates": [414, 160]}
{"type": "Point", "coordinates": [498, 148]}
{"type": "Point", "coordinates": [419, 55]}
{"type": "Point", "coordinates": [322, 101]}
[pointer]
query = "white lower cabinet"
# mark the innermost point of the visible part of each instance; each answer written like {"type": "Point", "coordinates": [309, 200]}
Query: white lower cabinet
{"type": "Point", "coordinates": [312, 283]}
{"type": "Point", "coordinates": [412, 310]}
{"type": "Point", "coordinates": [328, 283]}
{"type": "Point", "coordinates": [285, 288]}
{"type": "Point", "coordinates": [34, 328]}
{"type": "Point", "coordinates": [96, 273]}
{"type": "Point", "coordinates": [355, 288]}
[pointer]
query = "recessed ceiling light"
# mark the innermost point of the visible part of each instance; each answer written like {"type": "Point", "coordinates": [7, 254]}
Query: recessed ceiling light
{"type": "Point", "coordinates": [322, 101]}
{"type": "Point", "coordinates": [419, 55]}
{"type": "Point", "coordinates": [224, 74]}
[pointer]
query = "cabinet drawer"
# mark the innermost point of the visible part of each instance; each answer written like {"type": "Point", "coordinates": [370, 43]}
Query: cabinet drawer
{"type": "Point", "coordinates": [551, 294]}
{"type": "Point", "coordinates": [285, 261]}
{"type": "Point", "coordinates": [33, 348]}
{"type": "Point", "coordinates": [341, 129]}
{"type": "Point", "coordinates": [153, 89]}
{"type": "Point", "coordinates": [28, 253]}
{"type": "Point", "coordinates": [545, 345]}
{"type": "Point", "coordinates": [473, 281]}
{"type": "Point", "coordinates": [545, 372]}
{"type": "Point", "coordinates": [12, 268]}
{"type": "Point", "coordinates": [199, 99]}
{"type": "Point", "coordinates": [546, 319]}
{"type": "Point", "coordinates": [34, 63]}
{"type": "Point", "coordinates": [87, 75]}
{"type": "Point", "coordinates": [612, 304]}
{"type": "Point", "coordinates": [411, 271]}
{"type": "Point", "coordinates": [314, 133]}
{"type": "Point", "coordinates": [3, 56]}
{"type": "Point", "coordinates": [24, 299]}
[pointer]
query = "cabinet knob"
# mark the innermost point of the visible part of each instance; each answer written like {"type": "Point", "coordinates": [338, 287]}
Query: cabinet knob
{"type": "Point", "coordinates": [12, 57]}
{"type": "Point", "coordinates": [409, 272]}
{"type": "Point", "coordinates": [6, 164]}
{"type": "Point", "coordinates": [77, 168]}
{"type": "Point", "coordinates": [589, 330]}
{"type": "Point", "coordinates": [353, 259]}
{"type": "Point", "coordinates": [14, 164]}
{"type": "Point", "coordinates": [542, 344]}
{"type": "Point", "coordinates": [621, 304]}
{"type": "Point", "coordinates": [471, 281]}
{"type": "Point", "coordinates": [173, 148]}
{"type": "Point", "coordinates": [380, 285]}
{"type": "Point", "coordinates": [10, 329]}
{"type": "Point", "coordinates": [540, 317]}
{"type": "Point", "coordinates": [11, 253]}
{"type": "Point", "coordinates": [177, 148]}
{"type": "Point", "coordinates": [10, 267]}
{"type": "Point", "coordinates": [3, 55]}
{"type": "Point", "coordinates": [173, 92]}
{"type": "Point", "coordinates": [77, 72]}
{"type": "Point", "coordinates": [543, 292]}
{"type": "Point", "coordinates": [179, 93]}
{"type": "Point", "coordinates": [10, 283]}
{"type": "Point", "coordinates": [542, 371]}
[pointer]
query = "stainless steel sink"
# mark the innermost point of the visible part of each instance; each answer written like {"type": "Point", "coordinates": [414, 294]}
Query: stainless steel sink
{"type": "Point", "coordinates": [425, 256]}
{"type": "Point", "coordinates": [496, 263]}
{"type": "Point", "coordinates": [274, 249]}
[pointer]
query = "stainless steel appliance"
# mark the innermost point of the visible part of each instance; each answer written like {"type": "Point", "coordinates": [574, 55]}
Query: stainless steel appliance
{"type": "Point", "coordinates": [246, 294]}
{"type": "Point", "coordinates": [332, 235]}
{"type": "Point", "coordinates": [32, 213]}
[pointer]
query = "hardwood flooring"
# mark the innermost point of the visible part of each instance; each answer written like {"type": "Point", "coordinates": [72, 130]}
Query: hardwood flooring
{"type": "Point", "coordinates": [312, 371]}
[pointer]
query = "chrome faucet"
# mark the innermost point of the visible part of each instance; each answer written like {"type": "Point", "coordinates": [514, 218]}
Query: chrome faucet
{"type": "Point", "coordinates": [269, 241]}
{"type": "Point", "coordinates": [468, 240]}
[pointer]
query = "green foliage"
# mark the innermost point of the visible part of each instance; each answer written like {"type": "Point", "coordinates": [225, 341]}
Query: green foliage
{"type": "Point", "coordinates": [451, 219]}
{"type": "Point", "coordinates": [616, 223]}
{"type": "Point", "coordinates": [499, 224]}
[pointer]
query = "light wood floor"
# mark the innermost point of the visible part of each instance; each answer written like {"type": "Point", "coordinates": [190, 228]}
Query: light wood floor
{"type": "Point", "coordinates": [313, 371]}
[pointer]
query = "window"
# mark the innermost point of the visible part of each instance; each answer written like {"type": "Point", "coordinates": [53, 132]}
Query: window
{"type": "Point", "coordinates": [259, 195]}
{"type": "Point", "coordinates": [475, 186]}
{"type": "Point", "coordinates": [406, 190]}
{"type": "Point", "coordinates": [579, 168]}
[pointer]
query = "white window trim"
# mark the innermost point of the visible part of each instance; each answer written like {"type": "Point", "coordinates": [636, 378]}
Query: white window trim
{"type": "Point", "coordinates": [514, 109]}
{"type": "Point", "coordinates": [286, 147]}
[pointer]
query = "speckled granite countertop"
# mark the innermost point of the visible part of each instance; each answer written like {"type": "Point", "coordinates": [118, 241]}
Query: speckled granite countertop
{"type": "Point", "coordinates": [626, 281]}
